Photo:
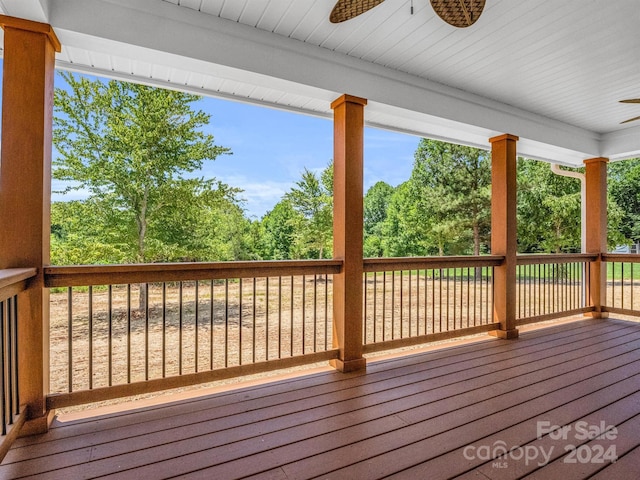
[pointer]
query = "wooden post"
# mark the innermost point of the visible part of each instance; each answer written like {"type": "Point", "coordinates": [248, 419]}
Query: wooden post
{"type": "Point", "coordinates": [596, 231]}
{"type": "Point", "coordinates": [25, 196]}
{"type": "Point", "coordinates": [347, 231]}
{"type": "Point", "coordinates": [503, 232]}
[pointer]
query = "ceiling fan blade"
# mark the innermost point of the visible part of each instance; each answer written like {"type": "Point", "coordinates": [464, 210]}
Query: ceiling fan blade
{"type": "Point", "coordinates": [630, 120]}
{"type": "Point", "coordinates": [631, 100]}
{"type": "Point", "coordinates": [459, 13]}
{"type": "Point", "coordinates": [348, 9]}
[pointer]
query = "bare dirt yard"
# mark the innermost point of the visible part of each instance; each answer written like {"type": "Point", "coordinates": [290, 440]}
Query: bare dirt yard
{"type": "Point", "coordinates": [110, 337]}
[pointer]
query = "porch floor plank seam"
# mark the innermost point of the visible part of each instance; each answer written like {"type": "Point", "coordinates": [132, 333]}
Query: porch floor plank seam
{"type": "Point", "coordinates": [406, 417]}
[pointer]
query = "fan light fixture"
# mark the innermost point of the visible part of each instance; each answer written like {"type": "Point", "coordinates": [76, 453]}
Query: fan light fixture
{"type": "Point", "coordinates": [631, 100]}
{"type": "Point", "coordinates": [459, 13]}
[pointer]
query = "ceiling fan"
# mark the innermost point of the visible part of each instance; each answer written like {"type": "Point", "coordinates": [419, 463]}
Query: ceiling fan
{"type": "Point", "coordinates": [459, 13]}
{"type": "Point", "coordinates": [631, 100]}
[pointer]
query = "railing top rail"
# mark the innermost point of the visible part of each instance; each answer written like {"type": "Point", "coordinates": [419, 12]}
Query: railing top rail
{"type": "Point", "coordinates": [84, 275]}
{"type": "Point", "coordinates": [546, 258]}
{"type": "Point", "coordinates": [10, 278]}
{"type": "Point", "coordinates": [621, 257]}
{"type": "Point", "coordinates": [415, 263]}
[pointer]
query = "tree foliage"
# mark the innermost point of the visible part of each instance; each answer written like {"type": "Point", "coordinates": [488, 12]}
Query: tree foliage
{"type": "Point", "coordinates": [312, 199]}
{"type": "Point", "coordinates": [131, 147]}
{"type": "Point", "coordinates": [455, 182]}
{"type": "Point", "coordinates": [376, 206]}
{"type": "Point", "coordinates": [79, 236]}
{"type": "Point", "coordinates": [402, 232]}
{"type": "Point", "coordinates": [624, 186]}
{"type": "Point", "coordinates": [548, 209]}
{"type": "Point", "coordinates": [444, 208]}
{"type": "Point", "coordinates": [136, 149]}
{"type": "Point", "coordinates": [280, 227]}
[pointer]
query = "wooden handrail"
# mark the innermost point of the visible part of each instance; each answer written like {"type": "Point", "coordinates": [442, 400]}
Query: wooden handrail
{"type": "Point", "coordinates": [85, 275]}
{"type": "Point", "coordinates": [415, 263]}
{"type": "Point", "coordinates": [547, 258]}
{"type": "Point", "coordinates": [14, 281]}
{"type": "Point", "coordinates": [621, 257]}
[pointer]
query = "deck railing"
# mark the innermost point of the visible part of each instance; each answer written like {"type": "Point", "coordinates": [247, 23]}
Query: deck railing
{"type": "Point", "coordinates": [623, 288]}
{"type": "Point", "coordinates": [552, 286]}
{"type": "Point", "coordinates": [414, 300]}
{"type": "Point", "coordinates": [12, 283]}
{"type": "Point", "coordinates": [124, 330]}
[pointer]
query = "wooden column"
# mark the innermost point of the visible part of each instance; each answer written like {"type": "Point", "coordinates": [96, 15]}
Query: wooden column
{"type": "Point", "coordinates": [25, 196]}
{"type": "Point", "coordinates": [503, 232]}
{"type": "Point", "coordinates": [596, 231]}
{"type": "Point", "coordinates": [347, 230]}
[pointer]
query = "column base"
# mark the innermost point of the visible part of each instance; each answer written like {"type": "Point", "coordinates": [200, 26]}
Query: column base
{"type": "Point", "coordinates": [37, 426]}
{"type": "Point", "coordinates": [349, 365]}
{"type": "Point", "coordinates": [505, 334]}
{"type": "Point", "coordinates": [597, 314]}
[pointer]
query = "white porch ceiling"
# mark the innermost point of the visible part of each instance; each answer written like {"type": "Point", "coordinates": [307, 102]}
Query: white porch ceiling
{"type": "Point", "coordinates": [549, 71]}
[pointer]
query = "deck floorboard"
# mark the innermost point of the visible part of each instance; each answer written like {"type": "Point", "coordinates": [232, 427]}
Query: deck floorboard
{"type": "Point", "coordinates": [429, 415]}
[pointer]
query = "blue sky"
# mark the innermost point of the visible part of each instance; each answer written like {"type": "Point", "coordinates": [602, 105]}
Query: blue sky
{"type": "Point", "coordinates": [272, 147]}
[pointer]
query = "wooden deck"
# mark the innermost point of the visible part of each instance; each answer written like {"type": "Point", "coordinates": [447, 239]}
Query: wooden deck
{"type": "Point", "coordinates": [437, 414]}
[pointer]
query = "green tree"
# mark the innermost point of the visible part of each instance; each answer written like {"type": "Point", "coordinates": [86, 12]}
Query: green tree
{"type": "Point", "coordinates": [453, 186]}
{"type": "Point", "coordinates": [376, 204]}
{"type": "Point", "coordinates": [130, 147]}
{"type": "Point", "coordinates": [402, 231]}
{"type": "Point", "coordinates": [624, 185]}
{"type": "Point", "coordinates": [212, 228]}
{"type": "Point", "coordinates": [312, 198]}
{"type": "Point", "coordinates": [280, 226]}
{"type": "Point", "coordinates": [80, 236]}
{"type": "Point", "coordinates": [549, 207]}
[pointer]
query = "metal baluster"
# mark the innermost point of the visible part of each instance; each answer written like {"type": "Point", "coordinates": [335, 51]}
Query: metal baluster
{"type": "Point", "coordinates": [384, 306]}
{"type": "Point", "coordinates": [240, 324]}
{"type": "Point", "coordinates": [401, 304]}
{"type": "Point", "coordinates": [253, 339]}
{"type": "Point", "coordinates": [164, 329]}
{"type": "Point", "coordinates": [15, 323]}
{"type": "Point", "coordinates": [180, 325]}
{"type": "Point", "coordinates": [291, 322]}
{"type": "Point", "coordinates": [70, 339]}
{"type": "Point", "coordinates": [315, 312]}
{"type": "Point", "coordinates": [4, 313]}
{"type": "Point", "coordinates": [279, 317]}
{"type": "Point", "coordinates": [211, 310]}
{"type": "Point", "coordinates": [226, 322]}
{"type": "Point", "coordinates": [128, 333]}
{"type": "Point", "coordinates": [146, 332]}
{"type": "Point", "coordinates": [90, 308]}
{"type": "Point", "coordinates": [393, 305]}
{"type": "Point", "coordinates": [110, 332]}
{"type": "Point", "coordinates": [7, 340]}
{"type": "Point", "coordinates": [196, 328]}
{"type": "Point", "coordinates": [375, 306]}
{"type": "Point", "coordinates": [304, 312]}
{"type": "Point", "coordinates": [267, 320]}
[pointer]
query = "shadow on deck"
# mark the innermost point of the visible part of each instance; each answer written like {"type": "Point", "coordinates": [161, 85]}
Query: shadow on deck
{"type": "Point", "coordinates": [437, 414]}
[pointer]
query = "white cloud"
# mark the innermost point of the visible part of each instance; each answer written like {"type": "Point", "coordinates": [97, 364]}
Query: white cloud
{"type": "Point", "coordinates": [259, 197]}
